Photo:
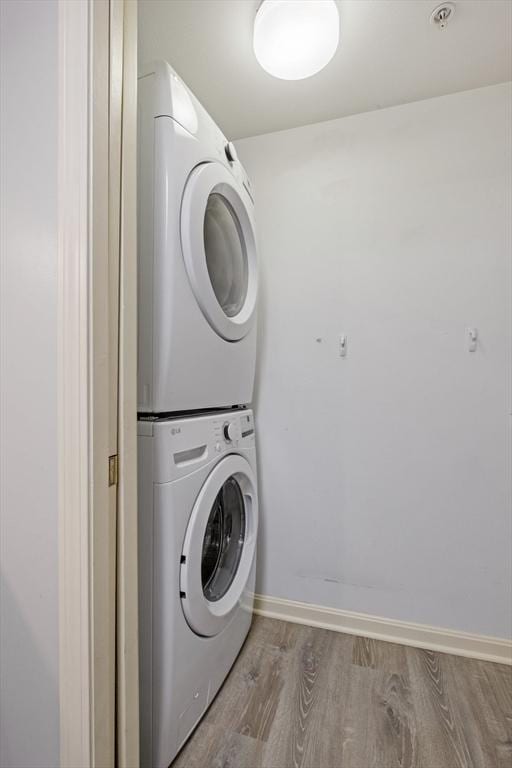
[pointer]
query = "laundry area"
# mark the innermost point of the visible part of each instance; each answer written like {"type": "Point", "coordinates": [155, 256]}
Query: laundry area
{"type": "Point", "coordinates": [340, 241]}
{"type": "Point", "coordinates": [257, 320]}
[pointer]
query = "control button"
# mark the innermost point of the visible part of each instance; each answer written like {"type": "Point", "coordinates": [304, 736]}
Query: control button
{"type": "Point", "coordinates": [218, 447]}
{"type": "Point", "coordinates": [230, 151]}
{"type": "Point", "coordinates": [229, 431]}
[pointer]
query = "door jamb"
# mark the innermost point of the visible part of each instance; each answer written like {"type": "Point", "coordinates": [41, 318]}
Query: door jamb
{"type": "Point", "coordinates": [127, 584]}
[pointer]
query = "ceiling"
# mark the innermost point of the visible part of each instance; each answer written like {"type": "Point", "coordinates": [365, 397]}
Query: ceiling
{"type": "Point", "coordinates": [389, 54]}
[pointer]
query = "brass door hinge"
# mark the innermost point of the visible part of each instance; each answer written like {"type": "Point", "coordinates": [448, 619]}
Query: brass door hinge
{"type": "Point", "coordinates": [113, 469]}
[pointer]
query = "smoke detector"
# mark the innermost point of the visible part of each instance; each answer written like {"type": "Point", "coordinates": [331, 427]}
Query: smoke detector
{"type": "Point", "coordinates": [441, 15]}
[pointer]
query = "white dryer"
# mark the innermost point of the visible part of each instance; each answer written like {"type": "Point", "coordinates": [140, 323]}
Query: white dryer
{"type": "Point", "coordinates": [198, 522]}
{"type": "Point", "coordinates": [197, 273]}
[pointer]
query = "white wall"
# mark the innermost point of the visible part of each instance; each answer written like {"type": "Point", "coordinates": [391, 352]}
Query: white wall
{"type": "Point", "coordinates": [385, 476]}
{"type": "Point", "coordinates": [29, 725]}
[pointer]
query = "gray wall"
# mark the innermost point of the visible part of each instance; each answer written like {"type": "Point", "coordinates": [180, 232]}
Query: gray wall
{"type": "Point", "coordinates": [29, 724]}
{"type": "Point", "coordinates": [385, 475]}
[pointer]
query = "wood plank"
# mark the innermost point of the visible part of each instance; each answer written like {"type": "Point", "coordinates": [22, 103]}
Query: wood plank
{"type": "Point", "coordinates": [377, 654]}
{"type": "Point", "coordinates": [353, 748]}
{"type": "Point", "coordinates": [287, 744]}
{"type": "Point", "coordinates": [499, 680]}
{"type": "Point", "coordinates": [379, 727]}
{"type": "Point", "coordinates": [324, 744]}
{"type": "Point", "coordinates": [442, 741]}
{"type": "Point", "coordinates": [482, 722]}
{"type": "Point", "coordinates": [363, 654]}
{"type": "Point", "coordinates": [214, 747]}
{"type": "Point", "coordinates": [251, 695]}
{"type": "Point", "coordinates": [395, 741]}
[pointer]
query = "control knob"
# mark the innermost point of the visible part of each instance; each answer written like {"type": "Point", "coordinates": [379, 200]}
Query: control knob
{"type": "Point", "coordinates": [229, 431]}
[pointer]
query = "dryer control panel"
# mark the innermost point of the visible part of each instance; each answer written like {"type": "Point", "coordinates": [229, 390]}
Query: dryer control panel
{"type": "Point", "coordinates": [182, 445]}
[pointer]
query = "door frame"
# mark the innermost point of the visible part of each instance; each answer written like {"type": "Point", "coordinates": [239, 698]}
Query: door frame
{"type": "Point", "coordinates": [127, 689]}
{"type": "Point", "coordinates": [96, 328]}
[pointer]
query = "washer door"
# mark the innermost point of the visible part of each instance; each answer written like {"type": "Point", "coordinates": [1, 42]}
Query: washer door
{"type": "Point", "coordinates": [219, 249]}
{"type": "Point", "coordinates": [219, 547]}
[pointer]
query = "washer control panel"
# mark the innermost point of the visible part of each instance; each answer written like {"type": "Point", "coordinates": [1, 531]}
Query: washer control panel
{"type": "Point", "coordinates": [182, 445]}
{"type": "Point", "coordinates": [247, 426]}
{"type": "Point", "coordinates": [232, 430]}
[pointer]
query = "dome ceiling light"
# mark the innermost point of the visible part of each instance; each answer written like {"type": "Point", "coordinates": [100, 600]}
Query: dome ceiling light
{"type": "Point", "coordinates": [294, 39]}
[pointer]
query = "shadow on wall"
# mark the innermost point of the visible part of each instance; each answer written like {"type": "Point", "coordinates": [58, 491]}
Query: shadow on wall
{"type": "Point", "coordinates": [29, 725]}
{"type": "Point", "coordinates": [262, 329]}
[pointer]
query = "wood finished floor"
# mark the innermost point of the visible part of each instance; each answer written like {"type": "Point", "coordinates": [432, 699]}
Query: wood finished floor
{"type": "Point", "coordinates": [299, 697]}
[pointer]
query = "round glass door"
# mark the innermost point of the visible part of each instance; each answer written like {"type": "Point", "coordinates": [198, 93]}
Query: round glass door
{"type": "Point", "coordinates": [219, 249]}
{"type": "Point", "coordinates": [223, 541]}
{"type": "Point", "coordinates": [226, 259]}
{"type": "Point", "coordinates": [217, 559]}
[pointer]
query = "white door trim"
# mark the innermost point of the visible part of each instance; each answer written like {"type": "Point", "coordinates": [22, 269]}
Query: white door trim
{"type": "Point", "coordinates": [73, 399]}
{"type": "Point", "coordinates": [86, 608]}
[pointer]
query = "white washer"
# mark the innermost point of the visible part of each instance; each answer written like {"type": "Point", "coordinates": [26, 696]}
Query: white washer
{"type": "Point", "coordinates": [197, 256]}
{"type": "Point", "coordinates": [198, 523]}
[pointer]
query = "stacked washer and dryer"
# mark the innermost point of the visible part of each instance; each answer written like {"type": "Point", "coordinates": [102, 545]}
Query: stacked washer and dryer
{"type": "Point", "coordinates": [198, 503]}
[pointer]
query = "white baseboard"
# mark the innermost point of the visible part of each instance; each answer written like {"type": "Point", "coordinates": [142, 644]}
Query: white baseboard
{"type": "Point", "coordinates": [391, 631]}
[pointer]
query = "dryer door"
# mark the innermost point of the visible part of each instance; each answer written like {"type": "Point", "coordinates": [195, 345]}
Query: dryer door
{"type": "Point", "coordinates": [220, 545]}
{"type": "Point", "coordinates": [219, 249]}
